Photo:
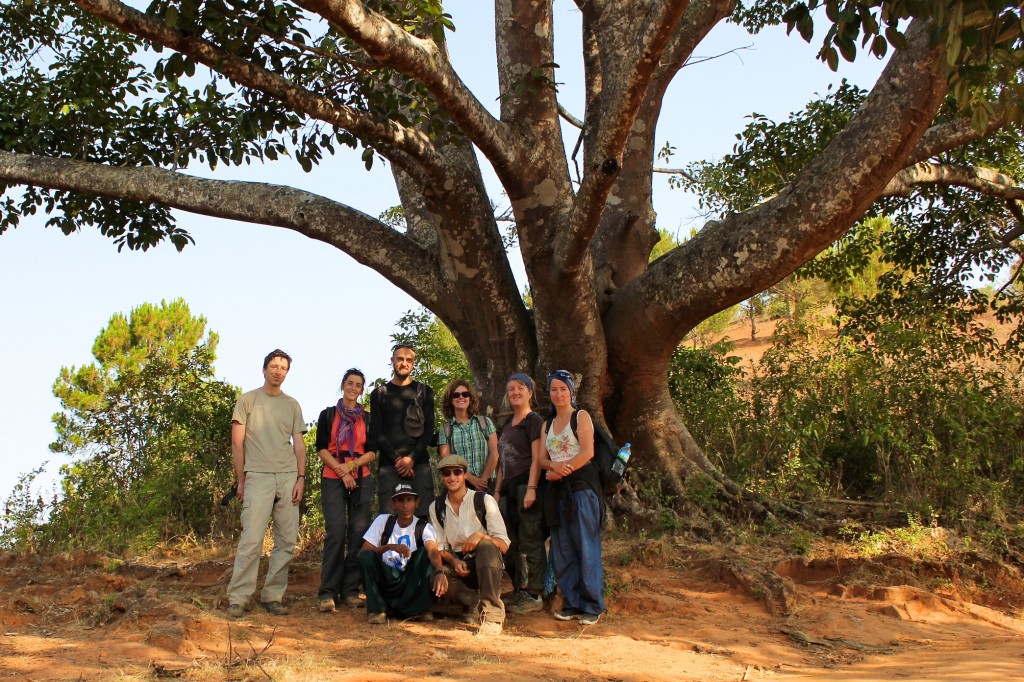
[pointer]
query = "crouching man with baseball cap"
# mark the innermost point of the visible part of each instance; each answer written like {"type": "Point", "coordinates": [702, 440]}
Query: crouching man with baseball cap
{"type": "Point", "coordinates": [400, 562]}
{"type": "Point", "coordinates": [472, 538]}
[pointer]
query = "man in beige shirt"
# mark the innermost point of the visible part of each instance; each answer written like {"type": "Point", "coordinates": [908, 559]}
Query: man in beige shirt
{"type": "Point", "coordinates": [270, 462]}
{"type": "Point", "coordinates": [472, 538]}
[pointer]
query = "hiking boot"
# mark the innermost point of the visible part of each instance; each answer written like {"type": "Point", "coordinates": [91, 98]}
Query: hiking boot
{"type": "Point", "coordinates": [326, 605]}
{"type": "Point", "coordinates": [470, 616]}
{"type": "Point", "coordinates": [425, 617]}
{"type": "Point", "coordinates": [376, 618]}
{"type": "Point", "coordinates": [276, 608]}
{"type": "Point", "coordinates": [355, 602]}
{"type": "Point", "coordinates": [236, 611]}
{"type": "Point", "coordinates": [590, 618]}
{"type": "Point", "coordinates": [489, 629]}
{"type": "Point", "coordinates": [526, 603]}
{"type": "Point", "coordinates": [567, 614]}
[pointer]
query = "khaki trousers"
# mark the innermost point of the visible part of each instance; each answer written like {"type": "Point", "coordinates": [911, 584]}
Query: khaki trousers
{"type": "Point", "coordinates": [265, 495]}
{"type": "Point", "coordinates": [482, 587]}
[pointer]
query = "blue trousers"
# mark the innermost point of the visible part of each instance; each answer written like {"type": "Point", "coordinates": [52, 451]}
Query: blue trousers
{"type": "Point", "coordinates": [576, 546]}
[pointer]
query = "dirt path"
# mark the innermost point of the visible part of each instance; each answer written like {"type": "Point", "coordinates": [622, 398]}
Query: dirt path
{"type": "Point", "coordinates": [85, 618]}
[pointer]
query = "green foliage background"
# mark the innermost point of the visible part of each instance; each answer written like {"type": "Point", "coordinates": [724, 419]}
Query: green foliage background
{"type": "Point", "coordinates": [148, 429]}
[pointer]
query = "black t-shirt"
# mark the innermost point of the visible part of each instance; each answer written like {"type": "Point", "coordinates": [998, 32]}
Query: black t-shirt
{"type": "Point", "coordinates": [387, 426]}
{"type": "Point", "coordinates": [514, 447]}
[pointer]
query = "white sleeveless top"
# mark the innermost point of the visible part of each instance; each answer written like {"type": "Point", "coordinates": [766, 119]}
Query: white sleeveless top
{"type": "Point", "coordinates": [562, 446]}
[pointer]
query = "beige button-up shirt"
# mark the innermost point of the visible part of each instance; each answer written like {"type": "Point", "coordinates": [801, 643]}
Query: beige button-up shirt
{"type": "Point", "coordinates": [458, 526]}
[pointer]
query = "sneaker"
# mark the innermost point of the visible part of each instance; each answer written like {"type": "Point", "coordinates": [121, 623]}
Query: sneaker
{"type": "Point", "coordinates": [276, 608]}
{"type": "Point", "coordinates": [590, 618]}
{"type": "Point", "coordinates": [489, 629]}
{"type": "Point", "coordinates": [567, 614]}
{"type": "Point", "coordinates": [376, 618]}
{"type": "Point", "coordinates": [326, 605]}
{"type": "Point", "coordinates": [512, 597]}
{"type": "Point", "coordinates": [236, 611]}
{"type": "Point", "coordinates": [355, 602]}
{"type": "Point", "coordinates": [526, 603]}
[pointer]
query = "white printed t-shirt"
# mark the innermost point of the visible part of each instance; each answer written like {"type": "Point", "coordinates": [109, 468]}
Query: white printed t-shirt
{"type": "Point", "coordinates": [399, 536]}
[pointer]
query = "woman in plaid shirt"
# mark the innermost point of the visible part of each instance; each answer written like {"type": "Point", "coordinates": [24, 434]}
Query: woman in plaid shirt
{"type": "Point", "coordinates": [468, 434]}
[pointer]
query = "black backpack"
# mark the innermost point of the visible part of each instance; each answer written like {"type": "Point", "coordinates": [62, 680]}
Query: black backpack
{"type": "Point", "coordinates": [414, 420]}
{"type": "Point", "coordinates": [605, 452]}
{"type": "Point", "coordinates": [441, 510]}
{"type": "Point", "coordinates": [389, 528]}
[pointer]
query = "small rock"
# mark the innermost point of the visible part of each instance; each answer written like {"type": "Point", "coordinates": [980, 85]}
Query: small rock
{"type": "Point", "coordinates": [167, 636]}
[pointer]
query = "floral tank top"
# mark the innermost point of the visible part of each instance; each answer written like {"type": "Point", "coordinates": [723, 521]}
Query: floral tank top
{"type": "Point", "coordinates": [562, 446]}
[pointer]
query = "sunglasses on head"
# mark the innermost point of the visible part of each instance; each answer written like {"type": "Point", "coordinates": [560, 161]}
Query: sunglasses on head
{"type": "Point", "coordinates": [460, 394]}
{"type": "Point", "coordinates": [450, 472]}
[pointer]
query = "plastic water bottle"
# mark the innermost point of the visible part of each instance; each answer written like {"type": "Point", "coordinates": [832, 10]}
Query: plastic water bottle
{"type": "Point", "coordinates": [621, 460]}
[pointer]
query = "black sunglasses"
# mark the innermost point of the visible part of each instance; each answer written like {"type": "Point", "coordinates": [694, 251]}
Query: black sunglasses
{"type": "Point", "coordinates": [449, 472]}
{"type": "Point", "coordinates": [461, 394]}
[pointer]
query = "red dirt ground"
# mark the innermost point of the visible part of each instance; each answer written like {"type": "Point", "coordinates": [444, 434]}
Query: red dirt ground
{"type": "Point", "coordinates": [676, 612]}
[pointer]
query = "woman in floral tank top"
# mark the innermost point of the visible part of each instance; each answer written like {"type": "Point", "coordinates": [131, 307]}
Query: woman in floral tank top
{"type": "Point", "coordinates": [573, 503]}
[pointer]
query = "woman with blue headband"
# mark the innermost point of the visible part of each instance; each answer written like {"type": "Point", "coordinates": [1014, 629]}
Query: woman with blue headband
{"type": "Point", "coordinates": [519, 482]}
{"type": "Point", "coordinates": [573, 503]}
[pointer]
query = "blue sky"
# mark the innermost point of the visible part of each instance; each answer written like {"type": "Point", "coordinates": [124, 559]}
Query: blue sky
{"type": "Point", "coordinates": [264, 287]}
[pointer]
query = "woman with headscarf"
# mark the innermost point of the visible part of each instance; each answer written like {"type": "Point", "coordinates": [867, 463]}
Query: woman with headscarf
{"type": "Point", "coordinates": [468, 434]}
{"type": "Point", "coordinates": [573, 503]}
{"type": "Point", "coordinates": [518, 483]}
{"type": "Point", "coordinates": [346, 492]}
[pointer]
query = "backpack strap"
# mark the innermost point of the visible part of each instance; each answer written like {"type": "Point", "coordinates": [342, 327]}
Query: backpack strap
{"type": "Point", "coordinates": [440, 509]}
{"type": "Point", "coordinates": [389, 528]}
{"type": "Point", "coordinates": [479, 506]}
{"type": "Point", "coordinates": [573, 424]}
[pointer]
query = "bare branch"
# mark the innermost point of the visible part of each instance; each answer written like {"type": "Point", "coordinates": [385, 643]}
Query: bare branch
{"type": "Point", "coordinates": [573, 121]}
{"type": "Point", "coordinates": [367, 240]}
{"type": "Point", "coordinates": [676, 171]}
{"type": "Point", "coordinates": [317, 106]}
{"type": "Point", "coordinates": [693, 62]}
{"type": "Point", "coordinates": [983, 180]}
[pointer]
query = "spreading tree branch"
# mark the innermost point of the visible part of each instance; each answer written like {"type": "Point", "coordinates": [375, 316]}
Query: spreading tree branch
{"type": "Point", "coordinates": [983, 180]}
{"type": "Point", "coordinates": [367, 240]}
{"type": "Point", "coordinates": [747, 252]}
{"type": "Point", "coordinates": [317, 106]}
{"type": "Point", "coordinates": [950, 135]}
{"type": "Point", "coordinates": [424, 60]}
{"type": "Point", "coordinates": [604, 160]}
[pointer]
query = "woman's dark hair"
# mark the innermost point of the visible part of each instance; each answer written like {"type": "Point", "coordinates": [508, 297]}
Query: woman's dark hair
{"type": "Point", "coordinates": [446, 401]}
{"type": "Point", "coordinates": [356, 372]}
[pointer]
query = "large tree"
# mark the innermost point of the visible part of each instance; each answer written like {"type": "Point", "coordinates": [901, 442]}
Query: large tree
{"type": "Point", "coordinates": [104, 134]}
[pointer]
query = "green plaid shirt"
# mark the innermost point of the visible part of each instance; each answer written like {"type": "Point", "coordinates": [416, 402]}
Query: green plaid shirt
{"type": "Point", "coordinates": [469, 441]}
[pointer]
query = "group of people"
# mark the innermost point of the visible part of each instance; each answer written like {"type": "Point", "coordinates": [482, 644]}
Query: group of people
{"type": "Point", "coordinates": [501, 497]}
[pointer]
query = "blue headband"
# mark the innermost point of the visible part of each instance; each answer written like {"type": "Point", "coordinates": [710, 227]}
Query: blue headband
{"type": "Point", "coordinates": [566, 378]}
{"type": "Point", "coordinates": [519, 376]}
